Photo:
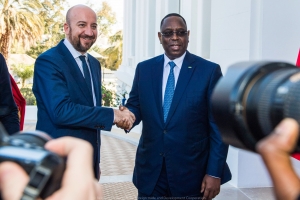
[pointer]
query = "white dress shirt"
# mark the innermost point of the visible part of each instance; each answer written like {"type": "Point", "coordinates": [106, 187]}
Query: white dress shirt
{"type": "Point", "coordinates": [178, 62]}
{"type": "Point", "coordinates": [76, 55]}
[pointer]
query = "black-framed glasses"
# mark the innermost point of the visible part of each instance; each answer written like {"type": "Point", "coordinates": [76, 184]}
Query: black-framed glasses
{"type": "Point", "coordinates": [169, 34]}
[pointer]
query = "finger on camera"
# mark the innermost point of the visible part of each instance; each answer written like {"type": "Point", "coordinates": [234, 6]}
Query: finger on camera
{"type": "Point", "coordinates": [13, 180]}
{"type": "Point", "coordinates": [75, 149]}
{"type": "Point", "coordinates": [79, 158]}
{"type": "Point", "coordinates": [283, 138]}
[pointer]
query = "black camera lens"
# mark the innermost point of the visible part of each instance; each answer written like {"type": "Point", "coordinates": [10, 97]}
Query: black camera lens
{"type": "Point", "coordinates": [45, 168]}
{"type": "Point", "coordinates": [252, 98]}
{"type": "Point", "coordinates": [36, 138]}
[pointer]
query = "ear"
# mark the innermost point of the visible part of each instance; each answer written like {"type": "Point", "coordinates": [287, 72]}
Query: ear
{"type": "Point", "coordinates": [159, 37]}
{"type": "Point", "coordinates": [66, 28]}
{"type": "Point", "coordinates": [188, 34]}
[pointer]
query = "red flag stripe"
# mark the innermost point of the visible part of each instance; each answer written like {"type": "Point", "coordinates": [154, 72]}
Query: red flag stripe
{"type": "Point", "coordinates": [297, 155]}
{"type": "Point", "coordinates": [298, 59]}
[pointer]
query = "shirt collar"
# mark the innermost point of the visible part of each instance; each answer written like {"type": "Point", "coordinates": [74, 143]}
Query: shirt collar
{"type": "Point", "coordinates": [72, 50]}
{"type": "Point", "coordinates": [177, 61]}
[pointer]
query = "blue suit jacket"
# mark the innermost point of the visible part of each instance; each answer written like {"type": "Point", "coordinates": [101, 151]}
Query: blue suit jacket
{"type": "Point", "coordinates": [189, 140]}
{"type": "Point", "coordinates": [65, 106]}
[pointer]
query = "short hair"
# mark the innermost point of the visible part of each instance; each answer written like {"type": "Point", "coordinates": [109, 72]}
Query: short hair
{"type": "Point", "coordinates": [170, 15]}
{"type": "Point", "coordinates": [68, 18]}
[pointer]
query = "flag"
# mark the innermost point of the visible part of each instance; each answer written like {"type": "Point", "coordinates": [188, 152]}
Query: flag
{"type": "Point", "coordinates": [297, 155]}
{"type": "Point", "coordinates": [298, 59]}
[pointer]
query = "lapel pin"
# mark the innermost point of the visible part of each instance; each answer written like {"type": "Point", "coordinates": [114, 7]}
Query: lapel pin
{"type": "Point", "coordinates": [189, 66]}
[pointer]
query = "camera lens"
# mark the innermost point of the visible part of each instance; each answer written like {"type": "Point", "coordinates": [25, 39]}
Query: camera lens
{"type": "Point", "coordinates": [45, 168]}
{"type": "Point", "coordinates": [36, 138]}
{"type": "Point", "coordinates": [252, 98]}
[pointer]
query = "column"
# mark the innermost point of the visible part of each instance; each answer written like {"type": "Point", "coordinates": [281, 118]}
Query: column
{"type": "Point", "coordinates": [197, 14]}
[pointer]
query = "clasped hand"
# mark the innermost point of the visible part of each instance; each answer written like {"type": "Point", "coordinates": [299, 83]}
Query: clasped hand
{"type": "Point", "coordinates": [124, 118]}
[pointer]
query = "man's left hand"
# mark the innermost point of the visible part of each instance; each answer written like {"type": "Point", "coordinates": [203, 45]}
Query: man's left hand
{"type": "Point", "coordinates": [210, 187]}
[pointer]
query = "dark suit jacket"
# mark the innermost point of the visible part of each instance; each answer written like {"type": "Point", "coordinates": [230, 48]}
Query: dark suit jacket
{"type": "Point", "coordinates": [8, 109]}
{"type": "Point", "coordinates": [189, 140]}
{"type": "Point", "coordinates": [19, 100]}
{"type": "Point", "coordinates": [65, 106]}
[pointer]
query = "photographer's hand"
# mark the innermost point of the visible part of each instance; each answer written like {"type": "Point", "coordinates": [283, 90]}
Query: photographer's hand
{"type": "Point", "coordinates": [275, 151]}
{"type": "Point", "coordinates": [13, 180]}
{"type": "Point", "coordinates": [78, 180]}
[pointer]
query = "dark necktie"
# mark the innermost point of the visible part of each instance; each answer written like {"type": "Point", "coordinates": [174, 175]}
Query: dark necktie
{"type": "Point", "coordinates": [169, 91]}
{"type": "Point", "coordinates": [86, 72]}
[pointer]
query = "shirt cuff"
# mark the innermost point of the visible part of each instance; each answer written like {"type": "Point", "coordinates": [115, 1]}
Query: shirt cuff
{"type": "Point", "coordinates": [213, 176]}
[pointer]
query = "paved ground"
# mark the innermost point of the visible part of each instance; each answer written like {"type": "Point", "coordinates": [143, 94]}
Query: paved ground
{"type": "Point", "coordinates": [117, 162]}
{"type": "Point", "coordinates": [117, 157]}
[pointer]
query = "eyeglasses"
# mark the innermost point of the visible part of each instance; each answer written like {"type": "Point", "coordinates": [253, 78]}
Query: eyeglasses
{"type": "Point", "coordinates": [169, 34]}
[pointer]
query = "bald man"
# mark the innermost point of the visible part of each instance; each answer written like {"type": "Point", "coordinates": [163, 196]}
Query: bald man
{"type": "Point", "coordinates": [67, 86]}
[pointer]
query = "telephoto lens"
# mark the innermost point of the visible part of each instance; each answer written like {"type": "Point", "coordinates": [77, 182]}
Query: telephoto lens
{"type": "Point", "coordinates": [252, 98]}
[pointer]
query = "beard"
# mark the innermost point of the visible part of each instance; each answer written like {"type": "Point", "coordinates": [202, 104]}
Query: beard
{"type": "Point", "coordinates": [78, 45]}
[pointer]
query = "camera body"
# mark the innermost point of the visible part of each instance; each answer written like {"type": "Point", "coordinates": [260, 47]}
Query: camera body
{"type": "Point", "coordinates": [252, 98]}
{"type": "Point", "coordinates": [44, 168]}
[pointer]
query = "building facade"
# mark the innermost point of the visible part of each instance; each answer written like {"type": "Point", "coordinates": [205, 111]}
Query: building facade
{"type": "Point", "coordinates": [224, 32]}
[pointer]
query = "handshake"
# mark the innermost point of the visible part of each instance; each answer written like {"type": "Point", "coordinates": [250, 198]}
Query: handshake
{"type": "Point", "coordinates": [124, 118]}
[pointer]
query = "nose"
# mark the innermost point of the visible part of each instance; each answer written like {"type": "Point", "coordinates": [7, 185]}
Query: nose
{"type": "Point", "coordinates": [89, 31]}
{"type": "Point", "coordinates": [174, 36]}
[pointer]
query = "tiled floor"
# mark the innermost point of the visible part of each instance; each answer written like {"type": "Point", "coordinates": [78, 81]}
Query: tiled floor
{"type": "Point", "coordinates": [119, 191]}
{"type": "Point", "coordinates": [117, 157]}
{"type": "Point", "coordinates": [117, 162]}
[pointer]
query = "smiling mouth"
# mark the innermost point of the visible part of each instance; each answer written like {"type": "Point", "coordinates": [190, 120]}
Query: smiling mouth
{"type": "Point", "coordinates": [87, 38]}
{"type": "Point", "coordinates": [175, 47]}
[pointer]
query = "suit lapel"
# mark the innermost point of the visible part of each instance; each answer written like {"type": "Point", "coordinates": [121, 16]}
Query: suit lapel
{"type": "Point", "coordinates": [75, 71]}
{"type": "Point", "coordinates": [157, 76]}
{"type": "Point", "coordinates": [187, 70]}
{"type": "Point", "coordinates": [96, 78]}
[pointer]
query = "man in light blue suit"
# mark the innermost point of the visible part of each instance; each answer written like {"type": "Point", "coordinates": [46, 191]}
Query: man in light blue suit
{"type": "Point", "coordinates": [180, 152]}
{"type": "Point", "coordinates": [67, 86]}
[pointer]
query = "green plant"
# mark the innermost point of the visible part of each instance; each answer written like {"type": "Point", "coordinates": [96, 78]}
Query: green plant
{"type": "Point", "coordinates": [111, 97]}
{"type": "Point", "coordinates": [108, 96]}
{"type": "Point", "coordinates": [21, 22]}
{"type": "Point", "coordinates": [23, 71]}
{"type": "Point", "coordinates": [113, 54]}
{"type": "Point", "coordinates": [28, 95]}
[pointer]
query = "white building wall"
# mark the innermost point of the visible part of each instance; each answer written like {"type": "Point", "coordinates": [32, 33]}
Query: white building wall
{"type": "Point", "coordinates": [280, 29]}
{"type": "Point", "coordinates": [254, 30]}
{"type": "Point", "coordinates": [225, 32]}
{"type": "Point", "coordinates": [230, 31]}
{"type": "Point", "coordinates": [198, 17]}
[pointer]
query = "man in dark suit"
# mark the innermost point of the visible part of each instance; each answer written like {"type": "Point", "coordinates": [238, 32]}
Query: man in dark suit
{"type": "Point", "coordinates": [8, 109]}
{"type": "Point", "coordinates": [180, 152]}
{"type": "Point", "coordinates": [67, 86]}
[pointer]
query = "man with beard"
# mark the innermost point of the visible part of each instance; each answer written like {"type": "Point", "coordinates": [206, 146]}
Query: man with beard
{"type": "Point", "coordinates": [67, 86]}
